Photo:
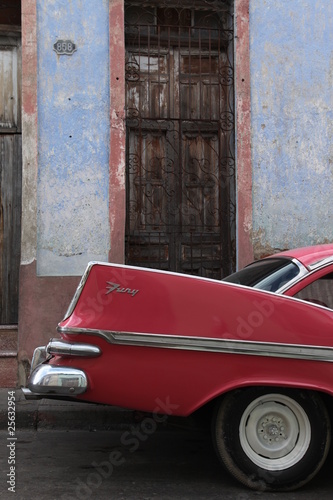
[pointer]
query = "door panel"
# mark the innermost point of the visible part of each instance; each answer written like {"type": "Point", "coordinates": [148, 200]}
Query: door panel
{"type": "Point", "coordinates": [10, 177]}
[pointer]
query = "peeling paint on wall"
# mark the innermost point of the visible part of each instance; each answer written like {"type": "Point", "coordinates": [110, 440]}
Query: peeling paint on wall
{"type": "Point", "coordinates": [117, 194]}
{"type": "Point", "coordinates": [73, 136]}
{"type": "Point", "coordinates": [29, 133]}
{"type": "Point", "coordinates": [291, 46]}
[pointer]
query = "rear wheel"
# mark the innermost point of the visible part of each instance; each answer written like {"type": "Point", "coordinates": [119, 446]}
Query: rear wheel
{"type": "Point", "coordinates": [272, 439]}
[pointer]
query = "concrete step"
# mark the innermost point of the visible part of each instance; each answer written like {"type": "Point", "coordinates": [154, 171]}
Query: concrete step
{"type": "Point", "coordinates": [8, 355]}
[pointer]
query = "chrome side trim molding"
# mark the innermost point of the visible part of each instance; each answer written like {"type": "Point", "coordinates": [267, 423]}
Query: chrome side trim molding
{"type": "Point", "coordinates": [57, 380]}
{"type": "Point", "coordinates": [63, 348]}
{"type": "Point", "coordinates": [224, 346]}
{"type": "Point", "coordinates": [79, 290]}
{"type": "Point", "coordinates": [321, 263]}
{"type": "Point", "coordinates": [303, 271]}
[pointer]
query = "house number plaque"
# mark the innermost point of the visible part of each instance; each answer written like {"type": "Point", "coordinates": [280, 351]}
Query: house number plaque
{"type": "Point", "coordinates": [64, 47]}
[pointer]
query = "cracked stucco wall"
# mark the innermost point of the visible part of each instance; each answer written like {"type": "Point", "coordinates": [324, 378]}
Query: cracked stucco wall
{"type": "Point", "coordinates": [291, 55]}
{"type": "Point", "coordinates": [73, 136]}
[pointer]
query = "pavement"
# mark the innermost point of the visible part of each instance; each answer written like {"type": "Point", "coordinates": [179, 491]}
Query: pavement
{"type": "Point", "coordinates": [64, 415]}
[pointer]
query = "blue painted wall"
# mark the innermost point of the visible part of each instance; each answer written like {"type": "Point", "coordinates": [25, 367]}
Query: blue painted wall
{"type": "Point", "coordinates": [291, 56]}
{"type": "Point", "coordinates": [73, 136]}
{"type": "Point", "coordinates": [291, 47]}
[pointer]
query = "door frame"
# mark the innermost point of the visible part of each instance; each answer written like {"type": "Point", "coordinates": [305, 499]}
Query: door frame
{"type": "Point", "coordinates": [244, 242]}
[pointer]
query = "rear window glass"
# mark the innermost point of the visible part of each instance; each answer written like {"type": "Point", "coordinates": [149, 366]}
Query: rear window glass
{"type": "Point", "coordinates": [267, 274]}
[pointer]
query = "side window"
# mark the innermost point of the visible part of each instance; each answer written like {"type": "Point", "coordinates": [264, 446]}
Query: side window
{"type": "Point", "coordinates": [319, 292]}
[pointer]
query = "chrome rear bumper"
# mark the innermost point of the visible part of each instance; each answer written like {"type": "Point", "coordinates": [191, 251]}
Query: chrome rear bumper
{"type": "Point", "coordinates": [51, 381]}
{"type": "Point", "coordinates": [58, 380]}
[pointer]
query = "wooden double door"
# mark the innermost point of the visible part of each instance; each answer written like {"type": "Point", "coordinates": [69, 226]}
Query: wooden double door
{"type": "Point", "coordinates": [180, 138]}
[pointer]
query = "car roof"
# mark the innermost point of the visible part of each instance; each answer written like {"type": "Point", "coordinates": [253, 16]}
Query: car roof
{"type": "Point", "coordinates": [310, 256]}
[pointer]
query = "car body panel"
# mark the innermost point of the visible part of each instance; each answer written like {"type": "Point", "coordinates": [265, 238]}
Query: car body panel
{"type": "Point", "coordinates": [309, 255]}
{"type": "Point", "coordinates": [258, 345]}
{"type": "Point", "coordinates": [179, 338]}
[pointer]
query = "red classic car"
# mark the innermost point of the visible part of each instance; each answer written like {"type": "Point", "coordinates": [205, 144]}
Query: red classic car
{"type": "Point", "coordinates": [256, 347]}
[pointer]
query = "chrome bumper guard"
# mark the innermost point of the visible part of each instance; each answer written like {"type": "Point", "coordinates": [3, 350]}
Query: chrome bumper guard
{"type": "Point", "coordinates": [63, 348]}
{"type": "Point", "coordinates": [50, 381]}
{"type": "Point", "coordinates": [57, 380]}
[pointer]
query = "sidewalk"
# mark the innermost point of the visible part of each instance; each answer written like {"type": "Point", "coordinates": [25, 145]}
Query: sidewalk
{"type": "Point", "coordinates": [65, 415]}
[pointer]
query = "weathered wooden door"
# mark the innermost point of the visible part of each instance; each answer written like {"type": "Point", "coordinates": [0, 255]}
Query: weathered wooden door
{"type": "Point", "coordinates": [10, 176]}
{"type": "Point", "coordinates": [180, 137]}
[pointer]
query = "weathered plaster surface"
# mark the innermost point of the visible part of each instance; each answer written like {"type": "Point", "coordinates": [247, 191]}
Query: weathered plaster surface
{"type": "Point", "coordinates": [80, 133]}
{"type": "Point", "coordinates": [117, 195]}
{"type": "Point", "coordinates": [243, 135]}
{"type": "Point", "coordinates": [73, 136]}
{"type": "Point", "coordinates": [43, 303]}
{"type": "Point", "coordinates": [291, 48]}
{"type": "Point", "coordinates": [29, 132]}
